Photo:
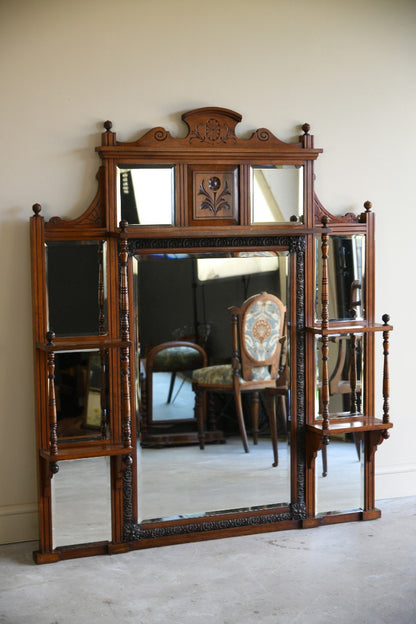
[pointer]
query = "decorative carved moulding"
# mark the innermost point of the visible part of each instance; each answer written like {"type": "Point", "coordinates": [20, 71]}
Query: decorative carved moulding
{"type": "Point", "coordinates": [211, 129]}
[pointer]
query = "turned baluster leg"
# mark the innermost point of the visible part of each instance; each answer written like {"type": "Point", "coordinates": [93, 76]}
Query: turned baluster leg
{"type": "Point", "coordinates": [325, 325]}
{"type": "Point", "coordinates": [386, 380]}
{"type": "Point", "coordinates": [325, 346]}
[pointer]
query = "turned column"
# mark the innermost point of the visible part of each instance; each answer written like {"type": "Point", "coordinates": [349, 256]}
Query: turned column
{"type": "Point", "coordinates": [325, 326]}
{"type": "Point", "coordinates": [125, 338]}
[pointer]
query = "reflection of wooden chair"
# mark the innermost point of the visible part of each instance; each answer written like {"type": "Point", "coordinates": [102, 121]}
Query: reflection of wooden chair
{"type": "Point", "coordinates": [172, 357]}
{"type": "Point", "coordinates": [257, 338]}
{"type": "Point", "coordinates": [344, 381]}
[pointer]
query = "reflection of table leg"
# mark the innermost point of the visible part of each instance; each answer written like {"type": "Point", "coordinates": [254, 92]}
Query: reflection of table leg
{"type": "Point", "coordinates": [172, 383]}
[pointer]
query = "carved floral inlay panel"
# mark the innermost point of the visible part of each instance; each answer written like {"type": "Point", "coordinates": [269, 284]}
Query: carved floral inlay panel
{"type": "Point", "coordinates": [214, 195]}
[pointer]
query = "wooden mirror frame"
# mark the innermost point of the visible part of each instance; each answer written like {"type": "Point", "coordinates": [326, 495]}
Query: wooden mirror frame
{"type": "Point", "coordinates": [212, 147]}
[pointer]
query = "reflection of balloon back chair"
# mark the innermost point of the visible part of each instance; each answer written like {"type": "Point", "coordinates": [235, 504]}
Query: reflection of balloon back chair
{"type": "Point", "coordinates": [172, 357]}
{"type": "Point", "coordinates": [257, 338]}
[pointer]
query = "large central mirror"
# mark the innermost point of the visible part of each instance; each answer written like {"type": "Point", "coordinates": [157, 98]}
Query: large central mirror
{"type": "Point", "coordinates": [183, 299]}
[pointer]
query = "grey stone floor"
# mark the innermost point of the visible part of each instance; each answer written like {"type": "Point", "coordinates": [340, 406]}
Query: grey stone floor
{"type": "Point", "coordinates": [358, 573]}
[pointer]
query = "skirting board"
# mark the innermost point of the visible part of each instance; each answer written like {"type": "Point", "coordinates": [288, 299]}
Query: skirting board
{"type": "Point", "coordinates": [395, 481]}
{"type": "Point", "coordinates": [18, 523]}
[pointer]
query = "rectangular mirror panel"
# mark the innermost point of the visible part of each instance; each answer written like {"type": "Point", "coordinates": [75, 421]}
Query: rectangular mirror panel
{"type": "Point", "coordinates": [346, 277]}
{"type": "Point", "coordinates": [346, 375]}
{"type": "Point", "coordinates": [81, 389]}
{"type": "Point", "coordinates": [342, 487]}
{"type": "Point", "coordinates": [146, 194]}
{"type": "Point", "coordinates": [81, 502]}
{"type": "Point", "coordinates": [77, 288]}
{"type": "Point", "coordinates": [177, 482]}
{"type": "Point", "coordinates": [277, 194]}
{"type": "Point", "coordinates": [183, 480]}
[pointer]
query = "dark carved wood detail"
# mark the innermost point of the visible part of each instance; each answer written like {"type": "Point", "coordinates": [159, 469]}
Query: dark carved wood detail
{"type": "Point", "coordinates": [125, 337]}
{"type": "Point", "coordinates": [137, 245]}
{"type": "Point", "coordinates": [298, 510]}
{"type": "Point", "coordinates": [297, 245]}
{"type": "Point", "coordinates": [53, 422]}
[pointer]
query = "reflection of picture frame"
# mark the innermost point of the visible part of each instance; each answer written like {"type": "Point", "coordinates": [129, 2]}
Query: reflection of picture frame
{"type": "Point", "coordinates": [93, 411]}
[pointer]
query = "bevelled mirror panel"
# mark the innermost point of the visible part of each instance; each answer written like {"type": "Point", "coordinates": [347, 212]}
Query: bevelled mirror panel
{"type": "Point", "coordinates": [77, 288]}
{"type": "Point", "coordinates": [346, 376]}
{"type": "Point", "coordinates": [81, 502]}
{"type": "Point", "coordinates": [339, 475]}
{"type": "Point", "coordinates": [346, 277]}
{"type": "Point", "coordinates": [277, 194]}
{"type": "Point", "coordinates": [81, 388]}
{"type": "Point", "coordinates": [183, 480]}
{"type": "Point", "coordinates": [146, 194]}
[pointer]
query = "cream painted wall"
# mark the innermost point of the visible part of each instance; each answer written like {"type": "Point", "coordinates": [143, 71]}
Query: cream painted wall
{"type": "Point", "coordinates": [345, 66]}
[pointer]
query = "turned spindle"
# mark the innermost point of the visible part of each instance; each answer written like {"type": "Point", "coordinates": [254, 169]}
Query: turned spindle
{"type": "Point", "coordinates": [386, 380]}
{"type": "Point", "coordinates": [325, 325]}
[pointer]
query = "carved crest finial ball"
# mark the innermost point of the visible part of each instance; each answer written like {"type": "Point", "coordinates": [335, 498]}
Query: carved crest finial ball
{"type": "Point", "coordinates": [306, 127]}
{"type": "Point", "coordinates": [368, 205]}
{"type": "Point", "coordinates": [36, 209]}
{"type": "Point", "coordinates": [324, 221]}
{"type": "Point", "coordinates": [108, 125]}
{"type": "Point", "coordinates": [385, 318]}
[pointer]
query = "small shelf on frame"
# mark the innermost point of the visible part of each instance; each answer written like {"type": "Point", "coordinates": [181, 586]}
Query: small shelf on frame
{"type": "Point", "coordinates": [354, 327]}
{"type": "Point", "coordinates": [349, 424]}
{"type": "Point", "coordinates": [83, 451]}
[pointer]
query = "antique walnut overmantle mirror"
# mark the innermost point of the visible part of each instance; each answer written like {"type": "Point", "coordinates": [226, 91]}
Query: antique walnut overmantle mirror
{"type": "Point", "coordinates": [131, 301]}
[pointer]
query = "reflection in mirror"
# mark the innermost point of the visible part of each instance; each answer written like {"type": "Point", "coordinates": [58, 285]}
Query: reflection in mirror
{"type": "Point", "coordinates": [186, 297]}
{"type": "Point", "coordinates": [346, 375]}
{"type": "Point", "coordinates": [77, 288]}
{"type": "Point", "coordinates": [81, 502]}
{"type": "Point", "coordinates": [342, 488]}
{"type": "Point", "coordinates": [346, 277]}
{"type": "Point", "coordinates": [146, 194]}
{"type": "Point", "coordinates": [81, 387]}
{"type": "Point", "coordinates": [277, 194]}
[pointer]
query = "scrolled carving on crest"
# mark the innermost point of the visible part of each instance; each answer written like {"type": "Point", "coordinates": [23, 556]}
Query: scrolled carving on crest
{"type": "Point", "coordinates": [160, 134]}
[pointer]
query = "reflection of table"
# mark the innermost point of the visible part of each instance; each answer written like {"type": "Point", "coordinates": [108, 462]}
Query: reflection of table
{"type": "Point", "coordinates": [171, 357]}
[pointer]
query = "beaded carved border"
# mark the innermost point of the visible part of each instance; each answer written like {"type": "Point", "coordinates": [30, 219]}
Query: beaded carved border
{"type": "Point", "coordinates": [297, 510]}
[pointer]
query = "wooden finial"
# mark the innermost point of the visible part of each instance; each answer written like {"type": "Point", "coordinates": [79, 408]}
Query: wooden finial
{"type": "Point", "coordinates": [36, 209]}
{"type": "Point", "coordinates": [306, 127]}
{"type": "Point", "coordinates": [108, 125]}
{"type": "Point", "coordinates": [368, 205]}
{"type": "Point", "coordinates": [123, 226]}
{"type": "Point", "coordinates": [324, 221]}
{"type": "Point", "coordinates": [386, 319]}
{"type": "Point", "coordinates": [50, 337]}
